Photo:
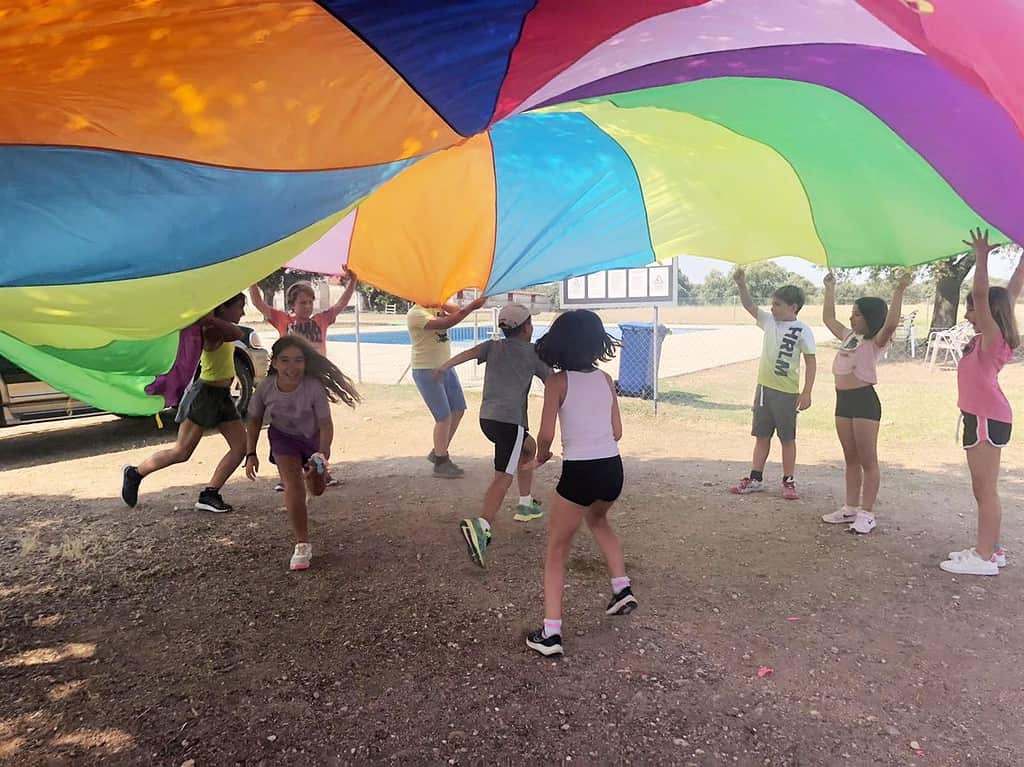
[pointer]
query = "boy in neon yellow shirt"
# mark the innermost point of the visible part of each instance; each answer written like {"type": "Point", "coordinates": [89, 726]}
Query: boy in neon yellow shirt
{"type": "Point", "coordinates": [778, 397]}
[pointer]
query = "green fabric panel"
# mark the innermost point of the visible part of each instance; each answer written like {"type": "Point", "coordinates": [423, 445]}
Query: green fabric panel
{"type": "Point", "coordinates": [112, 377]}
{"type": "Point", "coordinates": [874, 199]}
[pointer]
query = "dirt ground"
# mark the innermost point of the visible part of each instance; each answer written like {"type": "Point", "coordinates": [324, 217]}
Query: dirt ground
{"type": "Point", "coordinates": [167, 636]}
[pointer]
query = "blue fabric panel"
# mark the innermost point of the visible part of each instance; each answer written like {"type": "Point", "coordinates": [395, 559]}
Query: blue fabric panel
{"type": "Point", "coordinates": [454, 54]}
{"type": "Point", "coordinates": [569, 202]}
{"type": "Point", "coordinates": [70, 216]}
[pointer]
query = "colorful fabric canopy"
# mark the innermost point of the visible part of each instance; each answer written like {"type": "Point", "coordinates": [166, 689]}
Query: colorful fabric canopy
{"type": "Point", "coordinates": [157, 157]}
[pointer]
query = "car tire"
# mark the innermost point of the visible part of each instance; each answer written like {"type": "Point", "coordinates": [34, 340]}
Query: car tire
{"type": "Point", "coordinates": [243, 386]}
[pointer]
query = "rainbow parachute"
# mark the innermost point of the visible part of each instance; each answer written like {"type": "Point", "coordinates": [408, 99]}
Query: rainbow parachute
{"type": "Point", "coordinates": [157, 156]}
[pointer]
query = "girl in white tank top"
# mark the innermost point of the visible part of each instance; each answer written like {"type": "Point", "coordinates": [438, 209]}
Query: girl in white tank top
{"type": "Point", "coordinates": [582, 398]}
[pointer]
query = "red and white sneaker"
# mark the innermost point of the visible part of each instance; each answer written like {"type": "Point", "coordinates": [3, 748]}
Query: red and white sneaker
{"type": "Point", "coordinates": [789, 490]}
{"type": "Point", "coordinates": [746, 486]}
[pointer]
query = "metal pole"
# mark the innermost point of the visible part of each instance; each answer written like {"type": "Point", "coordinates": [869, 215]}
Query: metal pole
{"type": "Point", "coordinates": [476, 340]}
{"type": "Point", "coordinates": [654, 360]}
{"type": "Point", "coordinates": [359, 348]}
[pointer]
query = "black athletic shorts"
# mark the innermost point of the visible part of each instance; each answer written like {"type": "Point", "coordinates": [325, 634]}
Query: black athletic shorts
{"type": "Point", "coordinates": [996, 433]}
{"type": "Point", "coordinates": [508, 441]}
{"type": "Point", "coordinates": [861, 402]}
{"type": "Point", "coordinates": [584, 482]}
{"type": "Point", "coordinates": [207, 406]}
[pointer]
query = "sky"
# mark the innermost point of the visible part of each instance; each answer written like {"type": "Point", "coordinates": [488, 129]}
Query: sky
{"type": "Point", "coordinates": [696, 268]}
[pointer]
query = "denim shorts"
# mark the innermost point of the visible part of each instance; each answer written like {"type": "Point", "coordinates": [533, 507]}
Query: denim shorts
{"type": "Point", "coordinates": [443, 397]}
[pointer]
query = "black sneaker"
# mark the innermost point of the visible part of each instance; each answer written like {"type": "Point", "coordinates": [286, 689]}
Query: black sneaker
{"type": "Point", "coordinates": [210, 500]}
{"type": "Point", "coordinates": [622, 603]}
{"type": "Point", "coordinates": [546, 646]}
{"type": "Point", "coordinates": [130, 481]}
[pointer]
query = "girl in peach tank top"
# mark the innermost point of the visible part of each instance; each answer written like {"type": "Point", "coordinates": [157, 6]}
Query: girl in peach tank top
{"type": "Point", "coordinates": [858, 409]}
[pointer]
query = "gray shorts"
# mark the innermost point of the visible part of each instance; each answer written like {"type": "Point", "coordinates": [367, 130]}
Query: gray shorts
{"type": "Point", "coordinates": [443, 397]}
{"type": "Point", "coordinates": [774, 412]}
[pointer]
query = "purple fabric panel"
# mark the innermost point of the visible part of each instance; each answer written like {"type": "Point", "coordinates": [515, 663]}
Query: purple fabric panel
{"type": "Point", "coordinates": [965, 135]}
{"type": "Point", "coordinates": [173, 383]}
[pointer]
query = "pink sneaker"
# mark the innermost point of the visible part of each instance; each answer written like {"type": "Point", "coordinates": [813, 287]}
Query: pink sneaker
{"type": "Point", "coordinates": [746, 486]}
{"type": "Point", "coordinates": [789, 491]}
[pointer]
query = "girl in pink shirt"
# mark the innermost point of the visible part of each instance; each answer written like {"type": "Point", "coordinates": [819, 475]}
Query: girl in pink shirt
{"type": "Point", "coordinates": [858, 409]}
{"type": "Point", "coordinates": [986, 412]}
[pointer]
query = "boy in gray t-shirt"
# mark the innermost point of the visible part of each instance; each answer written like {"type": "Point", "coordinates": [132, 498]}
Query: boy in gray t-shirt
{"type": "Point", "coordinates": [511, 365]}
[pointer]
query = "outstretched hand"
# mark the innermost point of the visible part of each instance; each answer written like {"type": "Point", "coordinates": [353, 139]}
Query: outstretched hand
{"type": "Point", "coordinates": [477, 303]}
{"type": "Point", "coordinates": [829, 280]}
{"type": "Point", "coordinates": [979, 242]}
{"type": "Point", "coordinates": [906, 277]}
{"type": "Point", "coordinates": [739, 275]}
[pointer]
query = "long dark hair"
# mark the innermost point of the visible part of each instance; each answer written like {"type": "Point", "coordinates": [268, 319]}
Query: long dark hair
{"type": "Point", "coordinates": [239, 297]}
{"type": "Point", "coordinates": [577, 341]}
{"type": "Point", "coordinates": [874, 311]}
{"type": "Point", "coordinates": [337, 385]}
{"type": "Point", "coordinates": [1002, 312]}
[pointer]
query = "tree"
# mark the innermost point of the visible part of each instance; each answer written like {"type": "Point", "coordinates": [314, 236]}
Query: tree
{"type": "Point", "coordinates": [281, 279]}
{"type": "Point", "coordinates": [716, 288]}
{"type": "Point", "coordinates": [377, 300]}
{"type": "Point", "coordinates": [686, 291]}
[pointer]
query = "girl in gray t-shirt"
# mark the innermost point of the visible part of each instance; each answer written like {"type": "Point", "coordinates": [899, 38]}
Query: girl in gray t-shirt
{"type": "Point", "coordinates": [295, 399]}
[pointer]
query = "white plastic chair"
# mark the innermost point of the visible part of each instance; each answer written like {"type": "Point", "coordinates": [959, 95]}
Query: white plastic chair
{"type": "Point", "coordinates": [950, 341]}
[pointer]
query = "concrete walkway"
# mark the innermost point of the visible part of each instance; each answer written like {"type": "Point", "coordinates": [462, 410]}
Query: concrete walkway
{"type": "Point", "coordinates": [713, 346]}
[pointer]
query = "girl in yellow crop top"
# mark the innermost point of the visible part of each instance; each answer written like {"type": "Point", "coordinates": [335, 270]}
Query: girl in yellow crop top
{"type": "Point", "coordinates": [207, 405]}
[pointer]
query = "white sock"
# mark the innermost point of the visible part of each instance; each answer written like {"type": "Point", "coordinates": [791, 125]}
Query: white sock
{"type": "Point", "coordinates": [484, 523]}
{"type": "Point", "coordinates": [552, 626]}
{"type": "Point", "coordinates": [525, 500]}
{"type": "Point", "coordinates": [618, 584]}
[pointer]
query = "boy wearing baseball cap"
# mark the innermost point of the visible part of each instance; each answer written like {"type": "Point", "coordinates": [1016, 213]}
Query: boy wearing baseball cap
{"type": "Point", "coordinates": [512, 363]}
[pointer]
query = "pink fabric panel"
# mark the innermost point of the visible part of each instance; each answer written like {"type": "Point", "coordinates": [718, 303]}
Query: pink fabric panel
{"type": "Point", "coordinates": [329, 254]}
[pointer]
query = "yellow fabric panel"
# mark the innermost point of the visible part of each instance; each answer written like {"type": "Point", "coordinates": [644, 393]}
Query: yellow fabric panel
{"type": "Point", "coordinates": [429, 232]}
{"type": "Point", "coordinates": [710, 191]}
{"type": "Point", "coordinates": [92, 315]}
{"type": "Point", "coordinates": [300, 91]}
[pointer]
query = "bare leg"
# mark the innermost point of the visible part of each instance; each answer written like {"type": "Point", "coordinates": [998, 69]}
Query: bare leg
{"type": "Point", "coordinates": [983, 461]}
{"type": "Point", "coordinates": [189, 434]}
{"type": "Point", "coordinates": [289, 467]}
{"type": "Point", "coordinates": [454, 421]}
{"type": "Point", "coordinates": [563, 522]}
{"type": "Point", "coordinates": [854, 474]}
{"type": "Point", "coordinates": [442, 436]}
{"type": "Point", "coordinates": [788, 458]}
{"type": "Point", "coordinates": [234, 433]}
{"type": "Point", "coordinates": [597, 520]}
{"type": "Point", "coordinates": [494, 495]}
{"type": "Point", "coordinates": [762, 447]}
{"type": "Point", "coordinates": [866, 433]}
{"type": "Point", "coordinates": [524, 476]}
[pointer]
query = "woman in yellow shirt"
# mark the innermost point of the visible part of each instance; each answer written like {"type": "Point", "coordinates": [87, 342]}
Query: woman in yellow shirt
{"type": "Point", "coordinates": [207, 405]}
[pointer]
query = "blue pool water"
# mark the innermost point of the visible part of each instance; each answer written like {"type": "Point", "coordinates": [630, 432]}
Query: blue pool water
{"type": "Point", "coordinates": [463, 334]}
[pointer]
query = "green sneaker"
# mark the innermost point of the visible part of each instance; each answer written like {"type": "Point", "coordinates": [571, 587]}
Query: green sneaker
{"type": "Point", "coordinates": [526, 513]}
{"type": "Point", "coordinates": [477, 539]}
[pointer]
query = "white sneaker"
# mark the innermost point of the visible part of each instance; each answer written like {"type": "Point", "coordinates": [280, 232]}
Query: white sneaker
{"type": "Point", "coordinates": [969, 563]}
{"type": "Point", "coordinates": [843, 516]}
{"type": "Point", "coordinates": [1000, 555]}
{"type": "Point", "coordinates": [303, 554]}
{"type": "Point", "coordinates": [863, 523]}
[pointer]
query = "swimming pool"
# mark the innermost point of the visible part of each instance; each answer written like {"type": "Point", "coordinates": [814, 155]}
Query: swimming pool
{"type": "Point", "coordinates": [462, 335]}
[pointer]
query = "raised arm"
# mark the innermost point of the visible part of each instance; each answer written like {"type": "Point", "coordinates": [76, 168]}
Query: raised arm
{"type": "Point", "coordinates": [256, 295]}
{"type": "Point", "coordinates": [983, 319]}
{"type": "Point", "coordinates": [554, 394]}
{"type": "Point", "coordinates": [828, 310]}
{"type": "Point", "coordinates": [1016, 280]}
{"type": "Point", "coordinates": [453, 319]}
{"type": "Point", "coordinates": [339, 306]}
{"type": "Point", "coordinates": [892, 319]}
{"type": "Point", "coordinates": [228, 330]}
{"type": "Point", "coordinates": [741, 283]}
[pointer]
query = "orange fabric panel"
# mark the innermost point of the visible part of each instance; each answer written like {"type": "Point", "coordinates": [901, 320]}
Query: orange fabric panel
{"type": "Point", "coordinates": [266, 85]}
{"type": "Point", "coordinates": [429, 232]}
